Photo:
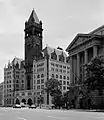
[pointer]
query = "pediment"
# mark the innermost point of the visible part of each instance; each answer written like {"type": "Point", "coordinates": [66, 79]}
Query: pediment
{"type": "Point", "coordinates": [79, 39]}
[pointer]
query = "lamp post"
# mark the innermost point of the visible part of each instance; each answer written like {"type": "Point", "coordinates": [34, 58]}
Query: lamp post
{"type": "Point", "coordinates": [40, 99]}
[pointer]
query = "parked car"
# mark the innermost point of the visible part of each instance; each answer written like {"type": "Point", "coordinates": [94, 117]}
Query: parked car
{"type": "Point", "coordinates": [32, 106]}
{"type": "Point", "coordinates": [23, 105]}
{"type": "Point", "coordinates": [17, 106]}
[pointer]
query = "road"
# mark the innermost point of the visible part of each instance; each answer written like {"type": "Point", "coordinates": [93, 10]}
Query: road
{"type": "Point", "coordinates": [42, 114]}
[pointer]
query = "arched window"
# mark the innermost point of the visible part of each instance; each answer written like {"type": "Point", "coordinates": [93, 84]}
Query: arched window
{"type": "Point", "coordinates": [38, 76]}
{"type": "Point", "coordinates": [52, 75]}
{"type": "Point", "coordinates": [42, 75]}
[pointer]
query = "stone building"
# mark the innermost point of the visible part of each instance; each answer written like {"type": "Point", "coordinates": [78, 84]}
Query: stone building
{"type": "Point", "coordinates": [14, 80]}
{"type": "Point", "coordinates": [81, 50]}
{"type": "Point", "coordinates": [2, 94]}
{"type": "Point", "coordinates": [24, 80]}
{"type": "Point", "coordinates": [53, 65]}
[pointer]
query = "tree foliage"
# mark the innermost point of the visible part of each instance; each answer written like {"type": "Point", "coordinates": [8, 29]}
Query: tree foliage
{"type": "Point", "coordinates": [95, 74]}
{"type": "Point", "coordinates": [53, 86]}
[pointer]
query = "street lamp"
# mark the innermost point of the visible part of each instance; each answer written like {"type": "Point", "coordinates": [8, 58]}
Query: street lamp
{"type": "Point", "coordinates": [40, 99]}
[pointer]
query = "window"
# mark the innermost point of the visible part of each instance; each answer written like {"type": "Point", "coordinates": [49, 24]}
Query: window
{"type": "Point", "coordinates": [38, 81]}
{"type": "Point", "coordinates": [56, 76]}
{"type": "Point", "coordinates": [64, 77]}
{"type": "Point", "coordinates": [64, 82]}
{"type": "Point", "coordinates": [60, 66]}
{"type": "Point", "coordinates": [17, 81]}
{"type": "Point", "coordinates": [60, 70]}
{"type": "Point", "coordinates": [42, 86]}
{"type": "Point", "coordinates": [56, 65]}
{"type": "Point", "coordinates": [60, 76]}
{"type": "Point", "coordinates": [34, 81]}
{"type": "Point", "coordinates": [22, 86]}
{"type": "Point", "coordinates": [67, 83]}
{"type": "Point", "coordinates": [52, 69]}
{"type": "Point", "coordinates": [38, 93]}
{"type": "Point", "coordinates": [23, 93]}
{"type": "Point", "coordinates": [56, 70]}
{"type": "Point", "coordinates": [38, 86]}
{"type": "Point", "coordinates": [29, 93]}
{"type": "Point", "coordinates": [64, 88]}
{"type": "Point", "coordinates": [67, 77]}
{"type": "Point", "coordinates": [68, 71]}
{"type": "Point", "coordinates": [34, 76]}
{"type": "Point", "coordinates": [42, 80]}
{"type": "Point", "coordinates": [68, 67]}
{"type": "Point", "coordinates": [52, 64]}
{"type": "Point", "coordinates": [64, 71]}
{"type": "Point", "coordinates": [42, 75]}
{"type": "Point", "coordinates": [38, 76]}
{"type": "Point", "coordinates": [34, 87]}
{"type": "Point", "coordinates": [61, 82]}
{"type": "Point", "coordinates": [52, 75]}
{"type": "Point", "coordinates": [64, 67]}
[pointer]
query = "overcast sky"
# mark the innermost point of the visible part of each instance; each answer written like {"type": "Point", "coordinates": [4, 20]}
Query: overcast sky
{"type": "Point", "coordinates": [62, 20]}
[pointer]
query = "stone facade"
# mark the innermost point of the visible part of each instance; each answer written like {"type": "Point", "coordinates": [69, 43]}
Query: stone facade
{"type": "Point", "coordinates": [82, 49]}
{"type": "Point", "coordinates": [24, 80]}
{"type": "Point", "coordinates": [2, 94]}
{"type": "Point", "coordinates": [14, 80]}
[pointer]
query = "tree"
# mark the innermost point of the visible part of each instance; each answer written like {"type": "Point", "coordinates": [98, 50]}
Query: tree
{"type": "Point", "coordinates": [53, 87]}
{"type": "Point", "coordinates": [95, 74]}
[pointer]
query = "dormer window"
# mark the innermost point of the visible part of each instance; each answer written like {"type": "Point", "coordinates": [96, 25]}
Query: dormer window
{"type": "Point", "coordinates": [53, 55]}
{"type": "Point", "coordinates": [61, 57]}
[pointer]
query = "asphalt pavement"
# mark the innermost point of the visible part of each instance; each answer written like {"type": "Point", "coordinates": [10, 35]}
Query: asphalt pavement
{"type": "Point", "coordinates": [43, 114]}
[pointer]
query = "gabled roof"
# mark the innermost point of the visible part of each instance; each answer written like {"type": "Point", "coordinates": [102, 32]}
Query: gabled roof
{"type": "Point", "coordinates": [33, 17]}
{"type": "Point", "coordinates": [88, 36]}
{"type": "Point", "coordinates": [97, 30]}
{"type": "Point", "coordinates": [74, 40]}
{"type": "Point", "coordinates": [51, 50]}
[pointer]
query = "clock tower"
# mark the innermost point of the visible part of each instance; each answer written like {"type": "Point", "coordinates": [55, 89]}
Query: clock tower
{"type": "Point", "coordinates": [33, 45]}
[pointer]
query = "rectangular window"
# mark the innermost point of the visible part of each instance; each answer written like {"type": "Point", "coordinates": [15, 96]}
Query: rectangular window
{"type": "Point", "coordinates": [64, 82]}
{"type": "Point", "coordinates": [42, 80]}
{"type": "Point", "coordinates": [38, 81]}
{"type": "Point", "coordinates": [42, 86]}
{"type": "Point", "coordinates": [52, 69]}
{"type": "Point", "coordinates": [38, 86]}
{"type": "Point", "coordinates": [64, 88]}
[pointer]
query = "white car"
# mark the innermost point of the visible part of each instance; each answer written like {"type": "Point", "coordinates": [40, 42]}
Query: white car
{"type": "Point", "coordinates": [17, 106]}
{"type": "Point", "coordinates": [32, 106]}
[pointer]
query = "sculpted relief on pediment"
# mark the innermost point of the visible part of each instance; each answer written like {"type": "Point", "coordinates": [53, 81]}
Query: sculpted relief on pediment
{"type": "Point", "coordinates": [78, 41]}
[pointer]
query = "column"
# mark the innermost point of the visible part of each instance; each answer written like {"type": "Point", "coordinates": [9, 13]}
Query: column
{"type": "Point", "coordinates": [85, 62]}
{"type": "Point", "coordinates": [71, 72]}
{"type": "Point", "coordinates": [94, 51]}
{"type": "Point", "coordinates": [85, 57]}
{"type": "Point", "coordinates": [78, 66]}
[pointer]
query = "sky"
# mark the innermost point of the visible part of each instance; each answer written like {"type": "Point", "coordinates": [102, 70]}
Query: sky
{"type": "Point", "coordinates": [62, 21]}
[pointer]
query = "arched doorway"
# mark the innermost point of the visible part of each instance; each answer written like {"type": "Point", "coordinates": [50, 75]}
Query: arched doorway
{"type": "Point", "coordinates": [29, 102]}
{"type": "Point", "coordinates": [23, 101]}
{"type": "Point", "coordinates": [17, 101]}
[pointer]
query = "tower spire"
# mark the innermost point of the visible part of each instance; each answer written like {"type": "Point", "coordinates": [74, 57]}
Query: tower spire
{"type": "Point", "coordinates": [33, 17]}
